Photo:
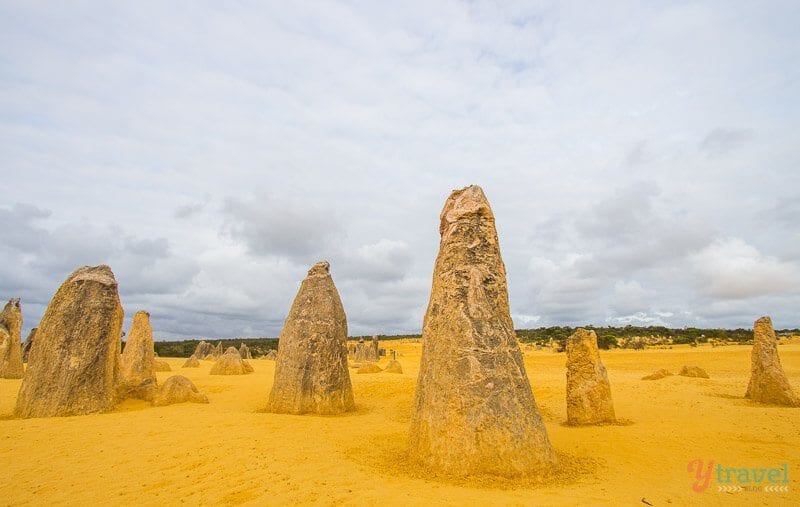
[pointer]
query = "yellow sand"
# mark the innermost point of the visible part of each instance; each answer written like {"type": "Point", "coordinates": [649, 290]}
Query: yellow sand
{"type": "Point", "coordinates": [231, 452]}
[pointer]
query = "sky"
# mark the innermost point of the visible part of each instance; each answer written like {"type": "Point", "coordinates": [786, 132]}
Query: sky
{"type": "Point", "coordinates": [642, 158]}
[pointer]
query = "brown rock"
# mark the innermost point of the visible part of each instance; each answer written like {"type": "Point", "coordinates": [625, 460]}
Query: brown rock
{"type": "Point", "coordinates": [244, 351]}
{"type": "Point", "coordinates": [768, 382]}
{"type": "Point", "coordinates": [693, 371]}
{"type": "Point", "coordinates": [137, 376]}
{"type": "Point", "coordinates": [229, 363]}
{"type": "Point", "coordinates": [311, 374]}
{"type": "Point", "coordinates": [474, 411]}
{"type": "Point", "coordinates": [10, 340]}
{"type": "Point", "coordinates": [192, 362]}
{"type": "Point", "coordinates": [361, 351]}
{"type": "Point", "coordinates": [588, 390]}
{"type": "Point", "coordinates": [178, 389]}
{"type": "Point", "coordinates": [26, 346]}
{"type": "Point", "coordinates": [248, 368]}
{"type": "Point", "coordinates": [658, 374]}
{"type": "Point", "coordinates": [74, 363]}
{"type": "Point", "coordinates": [369, 368]}
{"type": "Point", "coordinates": [217, 352]}
{"type": "Point", "coordinates": [203, 350]}
{"type": "Point", "coordinates": [393, 367]}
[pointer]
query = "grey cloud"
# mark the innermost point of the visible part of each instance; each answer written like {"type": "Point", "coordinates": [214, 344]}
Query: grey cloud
{"type": "Point", "coordinates": [269, 226]}
{"type": "Point", "coordinates": [724, 140]}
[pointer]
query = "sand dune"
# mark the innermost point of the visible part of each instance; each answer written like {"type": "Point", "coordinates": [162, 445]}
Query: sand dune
{"type": "Point", "coordinates": [232, 452]}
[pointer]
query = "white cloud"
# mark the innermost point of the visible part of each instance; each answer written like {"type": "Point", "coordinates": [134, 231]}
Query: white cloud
{"type": "Point", "coordinates": [730, 268]}
{"type": "Point", "coordinates": [212, 154]}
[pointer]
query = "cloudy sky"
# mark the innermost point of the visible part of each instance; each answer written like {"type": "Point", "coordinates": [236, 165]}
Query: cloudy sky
{"type": "Point", "coordinates": [642, 158]}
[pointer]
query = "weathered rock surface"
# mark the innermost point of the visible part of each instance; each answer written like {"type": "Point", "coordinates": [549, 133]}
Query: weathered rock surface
{"type": "Point", "coordinates": [658, 374]}
{"type": "Point", "coordinates": [693, 371]}
{"type": "Point", "coordinates": [393, 367]}
{"type": "Point", "coordinates": [768, 382]}
{"type": "Point", "coordinates": [203, 350]}
{"type": "Point", "coordinates": [248, 368]}
{"type": "Point", "coordinates": [74, 363]}
{"type": "Point", "coordinates": [369, 368]}
{"type": "Point", "coordinates": [244, 351]}
{"type": "Point", "coordinates": [137, 376]}
{"type": "Point", "coordinates": [474, 411]}
{"type": "Point", "coordinates": [26, 345]}
{"type": "Point", "coordinates": [588, 390]}
{"type": "Point", "coordinates": [361, 351]}
{"type": "Point", "coordinates": [10, 340]}
{"type": "Point", "coordinates": [178, 389]}
{"type": "Point", "coordinates": [217, 352]}
{"type": "Point", "coordinates": [229, 363]}
{"type": "Point", "coordinates": [192, 362]}
{"type": "Point", "coordinates": [311, 374]}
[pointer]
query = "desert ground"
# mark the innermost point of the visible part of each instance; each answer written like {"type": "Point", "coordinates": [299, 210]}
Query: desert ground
{"type": "Point", "coordinates": [232, 452]}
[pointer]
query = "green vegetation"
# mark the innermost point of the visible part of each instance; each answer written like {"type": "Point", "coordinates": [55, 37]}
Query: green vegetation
{"type": "Point", "coordinates": [607, 337]}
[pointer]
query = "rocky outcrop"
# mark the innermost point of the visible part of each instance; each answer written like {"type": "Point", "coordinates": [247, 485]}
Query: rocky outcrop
{"type": "Point", "coordinates": [693, 371]}
{"type": "Point", "coordinates": [588, 390]}
{"type": "Point", "coordinates": [369, 368]}
{"type": "Point", "coordinates": [26, 345]}
{"type": "Point", "coordinates": [271, 355]}
{"type": "Point", "coordinates": [244, 351]}
{"type": "Point", "coordinates": [394, 366]}
{"type": "Point", "coordinates": [161, 365]}
{"type": "Point", "coordinates": [217, 352]}
{"type": "Point", "coordinates": [192, 362]}
{"type": "Point", "coordinates": [203, 350]}
{"type": "Point", "coordinates": [311, 374]}
{"type": "Point", "coordinates": [768, 383]}
{"type": "Point", "coordinates": [229, 363]}
{"type": "Point", "coordinates": [137, 377]}
{"type": "Point", "coordinates": [658, 374]}
{"type": "Point", "coordinates": [474, 411]}
{"type": "Point", "coordinates": [74, 363]}
{"type": "Point", "coordinates": [178, 389]}
{"type": "Point", "coordinates": [10, 340]}
{"type": "Point", "coordinates": [361, 351]}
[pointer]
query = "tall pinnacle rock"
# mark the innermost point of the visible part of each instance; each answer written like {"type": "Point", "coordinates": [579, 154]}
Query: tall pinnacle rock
{"type": "Point", "coordinates": [138, 378]}
{"type": "Point", "coordinates": [768, 383]}
{"type": "Point", "coordinates": [74, 366]}
{"type": "Point", "coordinates": [10, 340]}
{"type": "Point", "coordinates": [474, 411]}
{"type": "Point", "coordinates": [311, 374]}
{"type": "Point", "coordinates": [588, 390]}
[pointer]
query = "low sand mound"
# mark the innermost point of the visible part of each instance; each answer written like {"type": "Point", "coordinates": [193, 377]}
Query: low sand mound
{"type": "Point", "coordinates": [230, 363]}
{"type": "Point", "coordinates": [192, 362]}
{"type": "Point", "coordinates": [73, 366]}
{"type": "Point", "coordinates": [159, 365]}
{"type": "Point", "coordinates": [658, 374]}
{"type": "Point", "coordinates": [178, 389]}
{"type": "Point", "coordinates": [393, 367]}
{"type": "Point", "coordinates": [369, 368]}
{"type": "Point", "coordinates": [693, 371]}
